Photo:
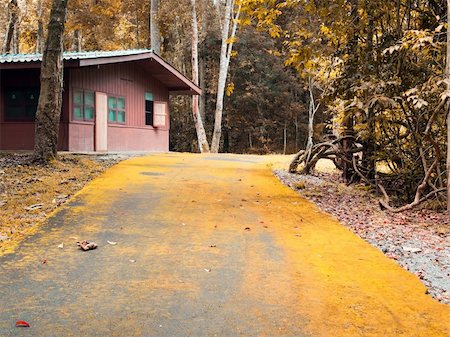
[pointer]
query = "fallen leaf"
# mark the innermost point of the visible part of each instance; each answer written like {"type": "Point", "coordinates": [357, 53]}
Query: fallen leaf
{"type": "Point", "coordinates": [33, 207]}
{"type": "Point", "coordinates": [112, 243]}
{"type": "Point", "coordinates": [411, 249]}
{"type": "Point", "coordinates": [87, 245]}
{"type": "Point", "coordinates": [44, 261]}
{"type": "Point", "coordinates": [22, 324]}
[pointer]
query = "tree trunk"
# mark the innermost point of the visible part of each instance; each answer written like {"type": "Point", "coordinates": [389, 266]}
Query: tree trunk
{"type": "Point", "coordinates": [225, 54]}
{"type": "Point", "coordinates": [202, 82]}
{"type": "Point", "coordinates": [137, 26]}
{"type": "Point", "coordinates": [76, 45]}
{"type": "Point", "coordinates": [447, 76]}
{"type": "Point", "coordinates": [312, 112]}
{"type": "Point", "coordinates": [16, 39]}
{"type": "Point", "coordinates": [202, 61]}
{"type": "Point", "coordinates": [198, 122]}
{"type": "Point", "coordinates": [13, 12]}
{"type": "Point", "coordinates": [50, 99]}
{"type": "Point", "coordinates": [368, 160]}
{"type": "Point", "coordinates": [155, 36]}
{"type": "Point", "coordinates": [348, 122]}
{"type": "Point", "coordinates": [40, 28]}
{"type": "Point", "coordinates": [296, 131]}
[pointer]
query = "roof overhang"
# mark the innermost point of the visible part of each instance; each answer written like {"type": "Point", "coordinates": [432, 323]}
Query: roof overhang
{"type": "Point", "coordinates": [156, 66]}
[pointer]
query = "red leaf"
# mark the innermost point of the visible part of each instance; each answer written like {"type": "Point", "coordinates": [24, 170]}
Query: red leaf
{"type": "Point", "coordinates": [22, 324]}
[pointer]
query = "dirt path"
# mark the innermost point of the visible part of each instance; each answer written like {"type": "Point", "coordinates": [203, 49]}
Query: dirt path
{"type": "Point", "coordinates": [206, 246]}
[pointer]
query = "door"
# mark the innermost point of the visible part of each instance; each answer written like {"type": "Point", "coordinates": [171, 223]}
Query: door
{"type": "Point", "coordinates": [101, 122]}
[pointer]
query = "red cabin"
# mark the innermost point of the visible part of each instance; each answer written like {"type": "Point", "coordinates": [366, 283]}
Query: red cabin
{"type": "Point", "coordinates": [112, 101]}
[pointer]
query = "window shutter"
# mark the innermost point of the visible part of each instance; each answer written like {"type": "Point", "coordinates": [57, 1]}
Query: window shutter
{"type": "Point", "coordinates": [160, 114]}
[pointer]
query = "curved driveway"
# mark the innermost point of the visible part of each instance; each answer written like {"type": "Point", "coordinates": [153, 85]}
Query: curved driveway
{"type": "Point", "coordinates": [206, 246]}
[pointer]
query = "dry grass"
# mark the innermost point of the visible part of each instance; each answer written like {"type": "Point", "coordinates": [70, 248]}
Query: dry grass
{"type": "Point", "coordinates": [23, 184]}
{"type": "Point", "coordinates": [326, 166]}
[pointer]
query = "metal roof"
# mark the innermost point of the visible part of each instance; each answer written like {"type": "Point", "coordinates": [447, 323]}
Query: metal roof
{"type": "Point", "coordinates": [176, 82]}
{"type": "Point", "coordinates": [85, 55]}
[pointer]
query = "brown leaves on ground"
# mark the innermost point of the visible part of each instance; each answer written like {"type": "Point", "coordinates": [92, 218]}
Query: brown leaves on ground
{"type": "Point", "coordinates": [29, 191]}
{"type": "Point", "coordinates": [87, 245]}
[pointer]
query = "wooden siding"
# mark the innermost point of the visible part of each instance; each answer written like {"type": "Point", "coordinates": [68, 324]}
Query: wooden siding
{"type": "Point", "coordinates": [81, 137]}
{"type": "Point", "coordinates": [128, 80]}
{"type": "Point", "coordinates": [137, 139]}
{"type": "Point", "coordinates": [20, 135]}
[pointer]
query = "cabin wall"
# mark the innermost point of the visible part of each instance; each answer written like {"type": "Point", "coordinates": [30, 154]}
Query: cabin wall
{"type": "Point", "coordinates": [19, 135]}
{"type": "Point", "coordinates": [128, 80]}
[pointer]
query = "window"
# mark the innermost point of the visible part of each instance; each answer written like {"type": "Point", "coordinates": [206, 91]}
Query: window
{"type": "Point", "coordinates": [116, 109]}
{"type": "Point", "coordinates": [83, 105]}
{"type": "Point", "coordinates": [21, 104]}
{"type": "Point", "coordinates": [148, 108]}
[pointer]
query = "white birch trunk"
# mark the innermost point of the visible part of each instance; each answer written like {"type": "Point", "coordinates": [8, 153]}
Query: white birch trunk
{"type": "Point", "coordinates": [198, 122]}
{"type": "Point", "coordinates": [312, 111]}
{"type": "Point", "coordinates": [223, 72]}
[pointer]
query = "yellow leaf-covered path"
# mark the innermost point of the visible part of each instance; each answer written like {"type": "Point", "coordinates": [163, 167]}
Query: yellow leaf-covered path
{"type": "Point", "coordinates": [206, 246]}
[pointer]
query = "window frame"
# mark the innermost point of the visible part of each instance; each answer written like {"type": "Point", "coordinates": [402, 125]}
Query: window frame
{"type": "Point", "coordinates": [152, 122]}
{"type": "Point", "coordinates": [22, 104]}
{"type": "Point", "coordinates": [83, 105]}
{"type": "Point", "coordinates": [117, 110]}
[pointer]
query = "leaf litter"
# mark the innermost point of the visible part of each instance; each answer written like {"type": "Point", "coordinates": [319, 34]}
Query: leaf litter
{"type": "Point", "coordinates": [30, 191]}
{"type": "Point", "coordinates": [87, 245]}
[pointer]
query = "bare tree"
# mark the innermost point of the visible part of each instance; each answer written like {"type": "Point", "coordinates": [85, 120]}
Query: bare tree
{"type": "Point", "coordinates": [225, 56]}
{"type": "Point", "coordinates": [311, 115]}
{"type": "Point", "coordinates": [198, 121]}
{"type": "Point", "coordinates": [50, 99]}
{"type": "Point", "coordinates": [11, 31]}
